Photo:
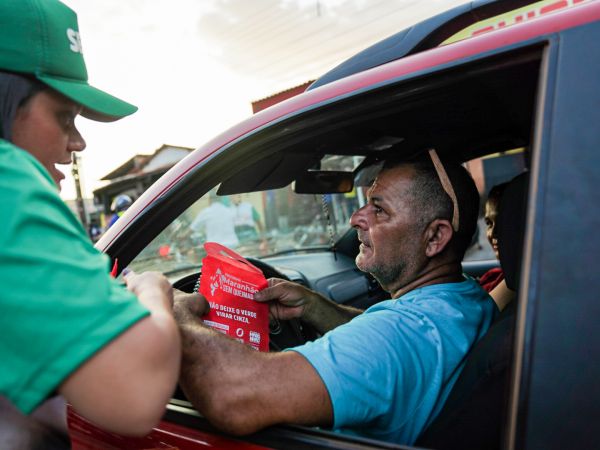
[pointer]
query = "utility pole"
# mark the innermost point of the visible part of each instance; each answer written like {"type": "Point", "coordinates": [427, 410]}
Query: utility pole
{"type": "Point", "coordinates": [75, 170]}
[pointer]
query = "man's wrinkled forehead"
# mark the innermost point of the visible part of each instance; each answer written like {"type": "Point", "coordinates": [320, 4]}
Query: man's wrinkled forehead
{"type": "Point", "coordinates": [368, 174]}
{"type": "Point", "coordinates": [393, 182]}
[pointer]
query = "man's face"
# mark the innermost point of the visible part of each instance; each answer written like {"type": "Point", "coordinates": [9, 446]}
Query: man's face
{"type": "Point", "coordinates": [45, 127]}
{"type": "Point", "coordinates": [392, 242]}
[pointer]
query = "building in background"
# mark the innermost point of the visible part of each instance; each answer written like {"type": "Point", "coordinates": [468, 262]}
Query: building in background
{"type": "Point", "coordinates": [134, 176]}
{"type": "Point", "coordinates": [264, 103]}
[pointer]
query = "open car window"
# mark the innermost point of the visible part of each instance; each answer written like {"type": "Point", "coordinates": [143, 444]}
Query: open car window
{"type": "Point", "coordinates": [280, 221]}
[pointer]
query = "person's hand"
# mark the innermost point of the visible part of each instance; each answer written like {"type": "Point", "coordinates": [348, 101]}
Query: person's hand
{"type": "Point", "coordinates": [288, 300]}
{"type": "Point", "coordinates": [151, 288]}
{"type": "Point", "coordinates": [188, 305]}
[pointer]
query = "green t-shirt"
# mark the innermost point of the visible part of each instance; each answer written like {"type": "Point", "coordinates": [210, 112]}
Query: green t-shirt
{"type": "Point", "coordinates": [58, 304]}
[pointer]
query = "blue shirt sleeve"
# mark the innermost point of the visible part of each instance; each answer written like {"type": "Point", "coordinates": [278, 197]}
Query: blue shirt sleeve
{"type": "Point", "coordinates": [378, 368]}
{"type": "Point", "coordinates": [389, 371]}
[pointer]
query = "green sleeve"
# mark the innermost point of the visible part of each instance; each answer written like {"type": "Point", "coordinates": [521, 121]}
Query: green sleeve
{"type": "Point", "coordinates": [59, 304]}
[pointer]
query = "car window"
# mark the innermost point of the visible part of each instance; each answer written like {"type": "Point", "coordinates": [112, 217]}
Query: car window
{"type": "Point", "coordinates": [275, 221]}
{"type": "Point", "coordinates": [255, 224]}
{"type": "Point", "coordinates": [487, 173]}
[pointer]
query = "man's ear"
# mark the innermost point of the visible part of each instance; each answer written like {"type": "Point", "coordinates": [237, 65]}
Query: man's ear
{"type": "Point", "coordinates": [438, 235]}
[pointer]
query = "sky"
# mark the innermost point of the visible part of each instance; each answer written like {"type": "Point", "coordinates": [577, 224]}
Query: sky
{"type": "Point", "coordinates": [193, 67]}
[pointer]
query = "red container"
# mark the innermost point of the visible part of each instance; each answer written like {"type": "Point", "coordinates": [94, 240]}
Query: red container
{"type": "Point", "coordinates": [228, 282]}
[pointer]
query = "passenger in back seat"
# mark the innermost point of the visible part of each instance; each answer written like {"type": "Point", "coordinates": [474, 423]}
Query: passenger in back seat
{"type": "Point", "coordinates": [493, 280]}
{"type": "Point", "coordinates": [474, 415]}
{"type": "Point", "coordinates": [494, 276]}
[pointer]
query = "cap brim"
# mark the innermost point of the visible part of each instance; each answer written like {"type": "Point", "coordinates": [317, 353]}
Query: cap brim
{"type": "Point", "coordinates": [97, 105]}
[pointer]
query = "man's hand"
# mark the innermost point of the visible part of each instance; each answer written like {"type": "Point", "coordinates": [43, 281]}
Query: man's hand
{"type": "Point", "coordinates": [288, 300]}
{"type": "Point", "coordinates": [188, 306]}
{"type": "Point", "coordinates": [291, 300]}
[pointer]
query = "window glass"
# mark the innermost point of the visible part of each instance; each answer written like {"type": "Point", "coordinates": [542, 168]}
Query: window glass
{"type": "Point", "coordinates": [254, 224]}
{"type": "Point", "coordinates": [488, 172]}
{"type": "Point", "coordinates": [342, 163]}
{"type": "Point", "coordinates": [265, 223]}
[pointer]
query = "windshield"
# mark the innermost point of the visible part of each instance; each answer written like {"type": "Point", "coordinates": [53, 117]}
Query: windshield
{"type": "Point", "coordinates": [255, 224]}
{"type": "Point", "coordinates": [266, 223]}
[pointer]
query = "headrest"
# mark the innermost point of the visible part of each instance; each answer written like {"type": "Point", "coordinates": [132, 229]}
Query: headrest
{"type": "Point", "coordinates": [512, 213]}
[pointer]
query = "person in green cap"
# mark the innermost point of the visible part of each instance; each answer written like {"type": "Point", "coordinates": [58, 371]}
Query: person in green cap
{"type": "Point", "coordinates": [69, 329]}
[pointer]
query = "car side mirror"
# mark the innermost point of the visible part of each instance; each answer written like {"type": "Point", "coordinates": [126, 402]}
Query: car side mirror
{"type": "Point", "coordinates": [324, 182]}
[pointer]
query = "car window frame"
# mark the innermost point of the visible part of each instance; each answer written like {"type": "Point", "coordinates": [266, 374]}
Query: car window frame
{"type": "Point", "coordinates": [561, 133]}
{"type": "Point", "coordinates": [537, 43]}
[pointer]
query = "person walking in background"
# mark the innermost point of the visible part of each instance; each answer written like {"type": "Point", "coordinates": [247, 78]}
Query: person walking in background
{"type": "Point", "coordinates": [217, 222]}
{"type": "Point", "coordinates": [247, 223]}
{"type": "Point", "coordinates": [68, 328]}
{"type": "Point", "coordinates": [118, 207]}
{"type": "Point", "coordinates": [94, 231]}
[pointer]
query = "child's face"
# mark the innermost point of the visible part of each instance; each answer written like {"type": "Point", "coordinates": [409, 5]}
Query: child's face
{"type": "Point", "coordinates": [491, 215]}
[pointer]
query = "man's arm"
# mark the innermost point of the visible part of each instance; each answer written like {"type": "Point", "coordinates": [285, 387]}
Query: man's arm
{"type": "Point", "coordinates": [502, 295]}
{"type": "Point", "coordinates": [239, 389]}
{"type": "Point", "coordinates": [292, 300]}
{"type": "Point", "coordinates": [126, 385]}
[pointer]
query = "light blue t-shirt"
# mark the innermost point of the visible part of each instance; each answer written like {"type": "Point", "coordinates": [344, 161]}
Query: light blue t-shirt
{"type": "Point", "coordinates": [389, 371]}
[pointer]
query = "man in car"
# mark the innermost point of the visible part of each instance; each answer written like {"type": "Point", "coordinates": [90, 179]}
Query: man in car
{"type": "Point", "coordinates": [383, 373]}
{"type": "Point", "coordinates": [68, 328]}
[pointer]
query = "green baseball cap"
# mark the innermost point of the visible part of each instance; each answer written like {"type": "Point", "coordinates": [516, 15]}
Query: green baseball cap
{"type": "Point", "coordinates": [41, 38]}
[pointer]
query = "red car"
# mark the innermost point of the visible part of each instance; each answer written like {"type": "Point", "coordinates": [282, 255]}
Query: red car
{"type": "Point", "coordinates": [503, 87]}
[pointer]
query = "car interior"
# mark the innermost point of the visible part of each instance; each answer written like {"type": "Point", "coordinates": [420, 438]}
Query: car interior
{"type": "Point", "coordinates": [480, 113]}
{"type": "Point", "coordinates": [473, 415]}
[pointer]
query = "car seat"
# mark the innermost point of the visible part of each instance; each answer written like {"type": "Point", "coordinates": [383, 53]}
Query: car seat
{"type": "Point", "coordinates": [474, 414]}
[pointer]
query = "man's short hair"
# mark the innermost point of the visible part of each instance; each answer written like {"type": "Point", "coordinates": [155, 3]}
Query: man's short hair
{"type": "Point", "coordinates": [432, 202]}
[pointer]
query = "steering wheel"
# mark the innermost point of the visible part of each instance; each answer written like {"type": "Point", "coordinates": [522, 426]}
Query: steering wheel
{"type": "Point", "coordinates": [282, 334]}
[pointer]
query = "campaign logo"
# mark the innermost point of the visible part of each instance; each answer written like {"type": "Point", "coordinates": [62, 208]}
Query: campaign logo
{"type": "Point", "coordinates": [215, 282]}
{"type": "Point", "coordinates": [231, 285]}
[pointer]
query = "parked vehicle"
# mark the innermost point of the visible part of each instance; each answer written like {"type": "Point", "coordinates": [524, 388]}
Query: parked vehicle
{"type": "Point", "coordinates": [520, 95]}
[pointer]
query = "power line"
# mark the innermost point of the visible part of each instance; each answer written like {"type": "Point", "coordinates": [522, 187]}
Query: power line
{"type": "Point", "coordinates": [249, 31]}
{"type": "Point", "coordinates": [297, 25]}
{"type": "Point", "coordinates": [295, 57]}
{"type": "Point", "coordinates": [295, 43]}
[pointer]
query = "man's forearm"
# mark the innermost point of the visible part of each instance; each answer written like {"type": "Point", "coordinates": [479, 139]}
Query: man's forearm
{"type": "Point", "coordinates": [241, 390]}
{"type": "Point", "coordinates": [325, 315]}
{"type": "Point", "coordinates": [196, 374]}
{"type": "Point", "coordinates": [217, 376]}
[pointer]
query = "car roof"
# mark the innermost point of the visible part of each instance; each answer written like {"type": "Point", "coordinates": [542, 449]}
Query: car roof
{"type": "Point", "coordinates": [422, 36]}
